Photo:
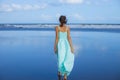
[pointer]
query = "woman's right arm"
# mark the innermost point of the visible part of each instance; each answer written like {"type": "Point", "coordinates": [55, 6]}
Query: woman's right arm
{"type": "Point", "coordinates": [56, 39]}
{"type": "Point", "coordinates": [70, 40]}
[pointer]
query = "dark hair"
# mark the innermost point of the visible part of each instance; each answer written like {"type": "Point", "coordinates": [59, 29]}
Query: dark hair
{"type": "Point", "coordinates": [62, 20]}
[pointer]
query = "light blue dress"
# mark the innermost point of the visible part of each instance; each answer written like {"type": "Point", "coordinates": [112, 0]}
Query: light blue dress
{"type": "Point", "coordinates": [65, 56]}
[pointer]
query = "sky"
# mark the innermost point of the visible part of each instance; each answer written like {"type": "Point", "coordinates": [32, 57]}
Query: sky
{"type": "Point", "coordinates": [48, 11]}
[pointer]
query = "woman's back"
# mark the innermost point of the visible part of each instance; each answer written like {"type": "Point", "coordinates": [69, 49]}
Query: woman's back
{"type": "Point", "coordinates": [62, 33]}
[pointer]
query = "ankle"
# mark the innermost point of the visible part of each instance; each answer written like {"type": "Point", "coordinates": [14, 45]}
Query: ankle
{"type": "Point", "coordinates": [59, 73]}
{"type": "Point", "coordinates": [65, 77]}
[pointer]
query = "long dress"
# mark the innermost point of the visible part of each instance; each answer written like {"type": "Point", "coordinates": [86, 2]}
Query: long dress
{"type": "Point", "coordinates": [65, 56]}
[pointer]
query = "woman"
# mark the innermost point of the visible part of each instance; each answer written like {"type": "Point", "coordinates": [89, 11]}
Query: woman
{"type": "Point", "coordinates": [63, 48]}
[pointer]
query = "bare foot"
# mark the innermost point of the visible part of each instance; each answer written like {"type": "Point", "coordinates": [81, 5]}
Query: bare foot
{"type": "Point", "coordinates": [65, 77]}
{"type": "Point", "coordinates": [59, 76]}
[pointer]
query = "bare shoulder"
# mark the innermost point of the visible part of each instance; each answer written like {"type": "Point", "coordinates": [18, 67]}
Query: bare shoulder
{"type": "Point", "coordinates": [68, 28]}
{"type": "Point", "coordinates": [56, 28]}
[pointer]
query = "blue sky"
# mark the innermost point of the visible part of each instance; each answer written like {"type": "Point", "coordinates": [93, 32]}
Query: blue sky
{"type": "Point", "coordinates": [48, 11]}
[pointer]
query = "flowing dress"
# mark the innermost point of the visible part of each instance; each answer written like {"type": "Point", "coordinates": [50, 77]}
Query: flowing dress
{"type": "Point", "coordinates": [65, 56]}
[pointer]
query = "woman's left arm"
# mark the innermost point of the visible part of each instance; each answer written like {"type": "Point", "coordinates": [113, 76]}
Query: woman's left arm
{"type": "Point", "coordinates": [56, 39]}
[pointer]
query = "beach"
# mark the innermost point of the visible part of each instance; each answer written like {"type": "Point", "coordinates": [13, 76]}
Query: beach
{"type": "Point", "coordinates": [29, 55]}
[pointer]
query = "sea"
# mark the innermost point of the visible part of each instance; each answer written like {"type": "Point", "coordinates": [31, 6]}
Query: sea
{"type": "Point", "coordinates": [27, 52]}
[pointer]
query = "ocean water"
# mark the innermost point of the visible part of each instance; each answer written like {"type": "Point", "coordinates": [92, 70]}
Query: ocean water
{"type": "Point", "coordinates": [29, 55]}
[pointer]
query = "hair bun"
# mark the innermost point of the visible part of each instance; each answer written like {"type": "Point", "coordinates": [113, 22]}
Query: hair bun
{"type": "Point", "coordinates": [63, 19]}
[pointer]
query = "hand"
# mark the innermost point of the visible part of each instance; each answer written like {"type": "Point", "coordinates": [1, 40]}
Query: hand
{"type": "Point", "coordinates": [72, 50]}
{"type": "Point", "coordinates": [55, 50]}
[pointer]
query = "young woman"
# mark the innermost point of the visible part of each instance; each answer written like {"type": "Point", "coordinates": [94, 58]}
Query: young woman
{"type": "Point", "coordinates": [63, 48]}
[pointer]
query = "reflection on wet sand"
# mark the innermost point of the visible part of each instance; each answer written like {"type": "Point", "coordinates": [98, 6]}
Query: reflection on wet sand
{"type": "Point", "coordinates": [27, 54]}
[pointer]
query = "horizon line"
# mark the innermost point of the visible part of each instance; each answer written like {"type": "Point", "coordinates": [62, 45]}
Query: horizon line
{"type": "Point", "coordinates": [69, 23]}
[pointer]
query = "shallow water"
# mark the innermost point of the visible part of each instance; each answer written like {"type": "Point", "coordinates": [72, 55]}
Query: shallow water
{"type": "Point", "coordinates": [29, 55]}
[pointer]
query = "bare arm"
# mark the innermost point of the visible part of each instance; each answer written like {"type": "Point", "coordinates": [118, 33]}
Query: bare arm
{"type": "Point", "coordinates": [70, 40]}
{"type": "Point", "coordinates": [56, 39]}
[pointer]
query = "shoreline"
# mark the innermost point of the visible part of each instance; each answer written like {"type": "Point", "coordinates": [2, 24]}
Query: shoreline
{"type": "Point", "coordinates": [72, 29]}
